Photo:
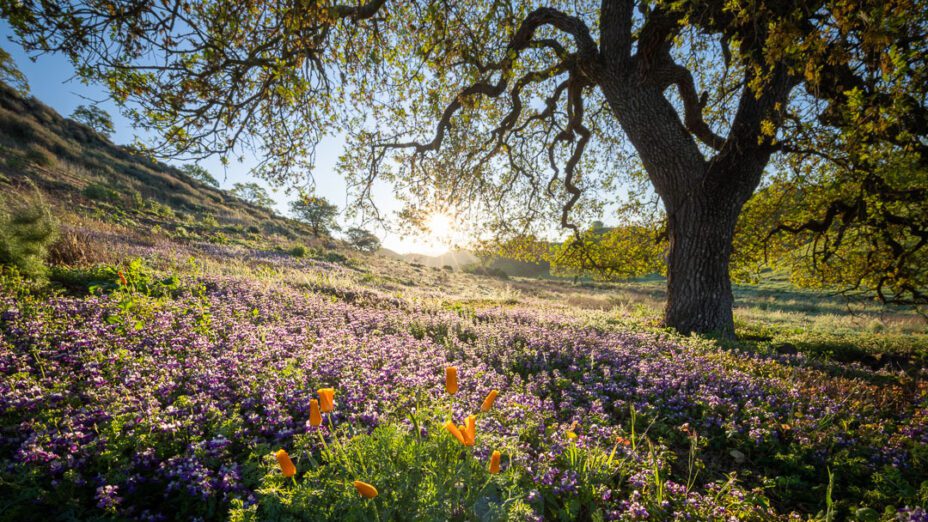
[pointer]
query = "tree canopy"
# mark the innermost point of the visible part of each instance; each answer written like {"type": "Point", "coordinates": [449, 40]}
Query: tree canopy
{"type": "Point", "coordinates": [534, 112]}
{"type": "Point", "coordinates": [11, 75]}
{"type": "Point", "coordinates": [95, 118]}
{"type": "Point", "coordinates": [200, 174]}
{"type": "Point", "coordinates": [252, 193]}
{"type": "Point", "coordinates": [317, 212]}
{"type": "Point", "coordinates": [362, 239]}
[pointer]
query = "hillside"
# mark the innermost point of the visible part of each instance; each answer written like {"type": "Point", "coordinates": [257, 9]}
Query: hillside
{"type": "Point", "coordinates": [84, 173]}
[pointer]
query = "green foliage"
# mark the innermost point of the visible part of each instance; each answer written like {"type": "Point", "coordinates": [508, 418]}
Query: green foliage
{"type": "Point", "coordinates": [481, 270]}
{"type": "Point", "coordinates": [334, 257]}
{"type": "Point", "coordinates": [27, 229]}
{"type": "Point", "coordinates": [298, 251]}
{"type": "Point", "coordinates": [99, 191]}
{"type": "Point", "coordinates": [362, 240]}
{"type": "Point", "coordinates": [317, 212]}
{"type": "Point", "coordinates": [863, 232]}
{"type": "Point", "coordinates": [252, 193]}
{"type": "Point", "coordinates": [426, 477]}
{"type": "Point", "coordinates": [11, 75]}
{"type": "Point", "coordinates": [95, 118]}
{"type": "Point", "coordinates": [198, 173]}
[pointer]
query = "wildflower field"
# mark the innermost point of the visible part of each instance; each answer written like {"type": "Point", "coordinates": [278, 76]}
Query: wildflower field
{"type": "Point", "coordinates": [218, 382]}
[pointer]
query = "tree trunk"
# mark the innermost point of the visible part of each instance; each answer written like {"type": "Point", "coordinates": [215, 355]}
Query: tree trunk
{"type": "Point", "coordinates": [699, 297]}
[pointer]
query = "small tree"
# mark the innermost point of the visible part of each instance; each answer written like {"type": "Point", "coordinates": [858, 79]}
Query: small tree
{"type": "Point", "coordinates": [252, 193]}
{"type": "Point", "coordinates": [363, 240]}
{"type": "Point", "coordinates": [200, 174]}
{"type": "Point", "coordinates": [27, 228]}
{"type": "Point", "coordinates": [317, 212]}
{"type": "Point", "coordinates": [95, 118]}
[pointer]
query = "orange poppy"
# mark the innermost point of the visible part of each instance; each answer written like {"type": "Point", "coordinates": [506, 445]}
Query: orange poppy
{"type": "Point", "coordinates": [470, 432]}
{"type": "Point", "coordinates": [494, 463]}
{"type": "Point", "coordinates": [488, 402]}
{"type": "Point", "coordinates": [452, 429]}
{"type": "Point", "coordinates": [315, 417]}
{"type": "Point", "coordinates": [327, 399]}
{"type": "Point", "coordinates": [365, 489]}
{"type": "Point", "coordinates": [451, 379]}
{"type": "Point", "coordinates": [286, 465]}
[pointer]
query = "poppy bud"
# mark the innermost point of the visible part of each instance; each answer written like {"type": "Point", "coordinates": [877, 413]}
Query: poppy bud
{"type": "Point", "coordinates": [327, 399]}
{"type": "Point", "coordinates": [286, 465]}
{"type": "Point", "coordinates": [315, 418]}
{"type": "Point", "coordinates": [365, 489]}
{"type": "Point", "coordinates": [488, 402]}
{"type": "Point", "coordinates": [494, 463]}
{"type": "Point", "coordinates": [451, 379]}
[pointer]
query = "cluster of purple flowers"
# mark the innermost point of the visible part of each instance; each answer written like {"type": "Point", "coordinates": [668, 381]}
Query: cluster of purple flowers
{"type": "Point", "coordinates": [180, 412]}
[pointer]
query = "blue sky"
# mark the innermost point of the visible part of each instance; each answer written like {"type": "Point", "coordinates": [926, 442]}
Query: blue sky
{"type": "Point", "coordinates": [52, 80]}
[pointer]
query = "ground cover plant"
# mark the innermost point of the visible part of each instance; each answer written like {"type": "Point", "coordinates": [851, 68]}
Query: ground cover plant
{"type": "Point", "coordinates": [163, 385]}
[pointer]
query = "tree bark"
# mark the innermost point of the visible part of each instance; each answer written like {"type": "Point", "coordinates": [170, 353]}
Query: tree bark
{"type": "Point", "coordinates": [699, 296]}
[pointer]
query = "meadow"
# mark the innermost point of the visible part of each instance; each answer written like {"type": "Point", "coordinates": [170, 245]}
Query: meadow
{"type": "Point", "coordinates": [166, 361]}
{"type": "Point", "coordinates": [160, 381]}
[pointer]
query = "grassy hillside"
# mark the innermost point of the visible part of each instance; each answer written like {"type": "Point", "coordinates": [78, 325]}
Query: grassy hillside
{"type": "Point", "coordinates": [180, 339]}
{"type": "Point", "coordinates": [84, 174]}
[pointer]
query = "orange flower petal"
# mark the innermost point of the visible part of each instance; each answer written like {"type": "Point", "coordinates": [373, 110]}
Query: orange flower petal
{"type": "Point", "coordinates": [470, 432]}
{"type": "Point", "coordinates": [452, 429]}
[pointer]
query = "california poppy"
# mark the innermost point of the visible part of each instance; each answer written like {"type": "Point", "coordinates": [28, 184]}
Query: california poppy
{"type": "Point", "coordinates": [470, 432]}
{"type": "Point", "coordinates": [286, 465]}
{"type": "Point", "coordinates": [451, 379]}
{"type": "Point", "coordinates": [327, 399]}
{"type": "Point", "coordinates": [452, 429]}
{"type": "Point", "coordinates": [315, 418]}
{"type": "Point", "coordinates": [365, 489]}
{"type": "Point", "coordinates": [494, 463]}
{"type": "Point", "coordinates": [488, 402]}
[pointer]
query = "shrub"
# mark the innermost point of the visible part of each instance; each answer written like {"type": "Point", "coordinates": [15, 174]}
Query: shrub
{"type": "Point", "coordinates": [252, 229]}
{"type": "Point", "coordinates": [71, 248]}
{"type": "Point", "coordinates": [100, 192]}
{"type": "Point", "coordinates": [209, 220]}
{"type": "Point", "coordinates": [27, 228]}
{"type": "Point", "coordinates": [39, 157]}
{"type": "Point", "coordinates": [481, 270]}
{"type": "Point", "coordinates": [160, 209]}
{"type": "Point", "coordinates": [298, 251]}
{"type": "Point", "coordinates": [448, 268]}
{"type": "Point", "coordinates": [334, 257]}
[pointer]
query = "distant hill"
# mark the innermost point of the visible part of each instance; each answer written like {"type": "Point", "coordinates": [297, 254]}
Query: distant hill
{"type": "Point", "coordinates": [455, 259]}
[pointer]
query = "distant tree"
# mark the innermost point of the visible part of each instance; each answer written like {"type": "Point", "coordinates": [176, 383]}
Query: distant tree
{"type": "Point", "coordinates": [10, 73]}
{"type": "Point", "coordinates": [363, 240]}
{"type": "Point", "coordinates": [95, 118]}
{"type": "Point", "coordinates": [317, 212]}
{"type": "Point", "coordinates": [199, 174]}
{"type": "Point", "coordinates": [252, 193]}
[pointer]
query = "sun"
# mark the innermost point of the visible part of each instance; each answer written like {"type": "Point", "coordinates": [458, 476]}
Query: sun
{"type": "Point", "coordinates": [440, 226]}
